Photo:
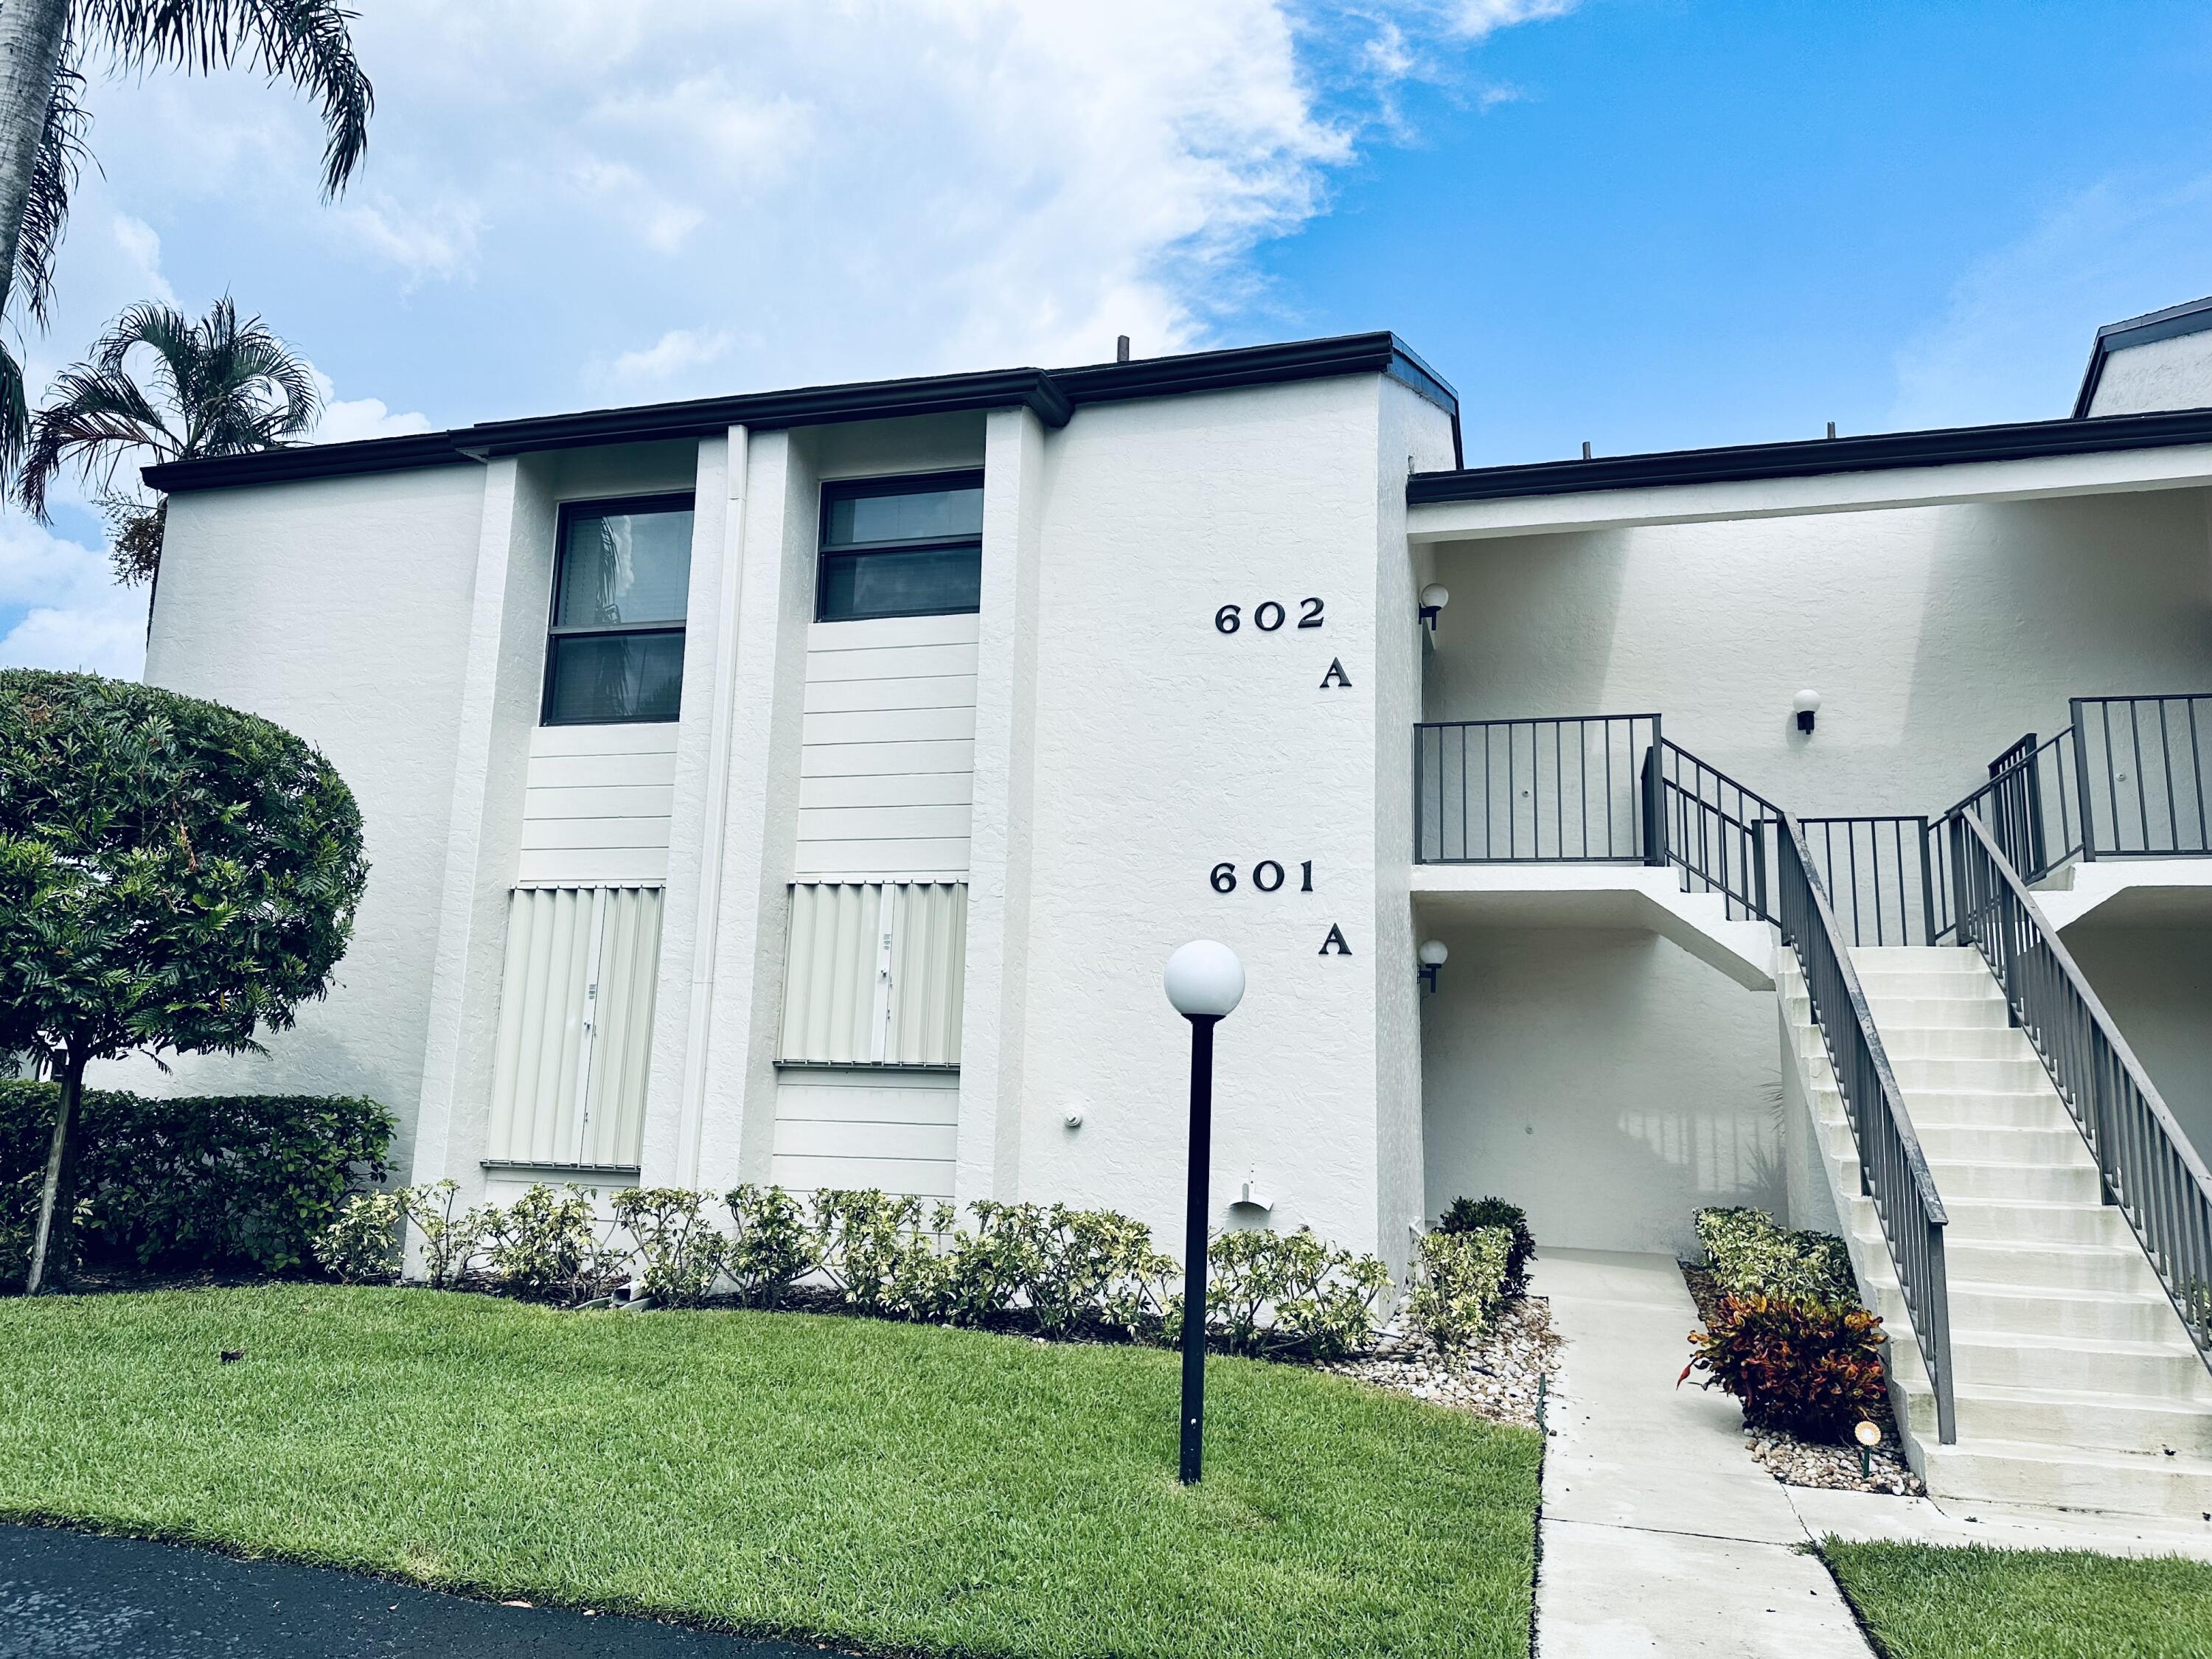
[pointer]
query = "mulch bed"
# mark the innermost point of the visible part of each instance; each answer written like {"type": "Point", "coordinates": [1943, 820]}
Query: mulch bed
{"type": "Point", "coordinates": [1501, 1377]}
{"type": "Point", "coordinates": [1798, 1462]}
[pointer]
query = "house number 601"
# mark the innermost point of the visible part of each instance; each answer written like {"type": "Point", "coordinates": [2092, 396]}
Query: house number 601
{"type": "Point", "coordinates": [1266, 876]}
{"type": "Point", "coordinates": [1268, 616]}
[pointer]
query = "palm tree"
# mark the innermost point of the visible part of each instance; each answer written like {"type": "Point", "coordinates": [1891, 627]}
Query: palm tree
{"type": "Point", "coordinates": [43, 120]}
{"type": "Point", "coordinates": [218, 387]}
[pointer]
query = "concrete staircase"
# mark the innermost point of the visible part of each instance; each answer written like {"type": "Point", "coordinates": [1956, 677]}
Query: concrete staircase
{"type": "Point", "coordinates": [2075, 1382]}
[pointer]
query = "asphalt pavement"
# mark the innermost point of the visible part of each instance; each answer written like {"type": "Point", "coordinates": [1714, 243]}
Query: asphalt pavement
{"type": "Point", "coordinates": [72, 1596]}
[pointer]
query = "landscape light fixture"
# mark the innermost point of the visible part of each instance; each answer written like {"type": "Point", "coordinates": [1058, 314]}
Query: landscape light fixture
{"type": "Point", "coordinates": [1868, 1435]}
{"type": "Point", "coordinates": [1205, 981]}
{"type": "Point", "coordinates": [1434, 953]}
{"type": "Point", "coordinates": [1434, 597]}
{"type": "Point", "coordinates": [1806, 704]}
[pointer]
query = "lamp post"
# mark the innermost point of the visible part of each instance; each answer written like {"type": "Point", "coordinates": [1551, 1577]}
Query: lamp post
{"type": "Point", "coordinates": [1205, 981]}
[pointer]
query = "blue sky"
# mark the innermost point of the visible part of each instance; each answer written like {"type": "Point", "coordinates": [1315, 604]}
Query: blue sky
{"type": "Point", "coordinates": [1646, 223]}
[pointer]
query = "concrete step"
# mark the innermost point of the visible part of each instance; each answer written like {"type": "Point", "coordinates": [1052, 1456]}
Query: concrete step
{"type": "Point", "coordinates": [2007, 1143]}
{"type": "Point", "coordinates": [2112, 1269]}
{"type": "Point", "coordinates": [2027, 1472]}
{"type": "Point", "coordinates": [2041, 1183]}
{"type": "Point", "coordinates": [2021, 1075]}
{"type": "Point", "coordinates": [2001, 1041]}
{"type": "Point", "coordinates": [2025, 1222]}
{"type": "Point", "coordinates": [1915, 958]}
{"type": "Point", "coordinates": [1972, 1108]}
{"type": "Point", "coordinates": [2153, 1372]}
{"type": "Point", "coordinates": [2056, 1417]}
{"type": "Point", "coordinates": [1943, 1014]}
{"type": "Point", "coordinates": [2035, 1311]}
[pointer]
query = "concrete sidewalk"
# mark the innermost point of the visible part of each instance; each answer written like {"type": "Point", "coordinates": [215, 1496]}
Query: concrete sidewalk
{"type": "Point", "coordinates": [1659, 1536]}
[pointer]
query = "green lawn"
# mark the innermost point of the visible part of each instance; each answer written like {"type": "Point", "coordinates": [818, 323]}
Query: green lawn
{"type": "Point", "coordinates": [892, 1486]}
{"type": "Point", "coordinates": [1923, 1603]}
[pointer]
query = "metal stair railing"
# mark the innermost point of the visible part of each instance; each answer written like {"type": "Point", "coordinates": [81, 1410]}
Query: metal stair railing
{"type": "Point", "coordinates": [2146, 1166]}
{"type": "Point", "coordinates": [1893, 1171]}
{"type": "Point", "coordinates": [1713, 828]}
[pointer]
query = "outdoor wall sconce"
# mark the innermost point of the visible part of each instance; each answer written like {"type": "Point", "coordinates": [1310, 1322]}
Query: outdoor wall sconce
{"type": "Point", "coordinates": [1433, 953]}
{"type": "Point", "coordinates": [1807, 704]}
{"type": "Point", "coordinates": [1434, 597]}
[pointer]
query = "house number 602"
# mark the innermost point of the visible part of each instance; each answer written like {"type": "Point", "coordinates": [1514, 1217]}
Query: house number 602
{"type": "Point", "coordinates": [1268, 616]}
{"type": "Point", "coordinates": [1266, 876]}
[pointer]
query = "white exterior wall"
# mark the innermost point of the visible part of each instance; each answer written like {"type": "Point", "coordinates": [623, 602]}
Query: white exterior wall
{"type": "Point", "coordinates": [1934, 636]}
{"type": "Point", "coordinates": [1607, 1081]}
{"type": "Point", "coordinates": [339, 608]}
{"type": "Point", "coordinates": [1164, 747]}
{"type": "Point", "coordinates": [2169, 374]}
{"type": "Point", "coordinates": [2155, 980]}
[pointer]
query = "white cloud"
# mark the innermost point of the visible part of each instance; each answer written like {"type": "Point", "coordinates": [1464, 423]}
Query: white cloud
{"type": "Point", "coordinates": [2016, 330]}
{"type": "Point", "coordinates": [345, 420]}
{"type": "Point", "coordinates": [1473, 19]}
{"type": "Point", "coordinates": [439, 240]}
{"type": "Point", "coordinates": [140, 245]}
{"type": "Point", "coordinates": [61, 607]}
{"type": "Point", "coordinates": [671, 358]}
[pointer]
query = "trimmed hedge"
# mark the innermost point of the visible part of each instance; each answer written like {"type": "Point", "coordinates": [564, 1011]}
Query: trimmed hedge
{"type": "Point", "coordinates": [220, 1180]}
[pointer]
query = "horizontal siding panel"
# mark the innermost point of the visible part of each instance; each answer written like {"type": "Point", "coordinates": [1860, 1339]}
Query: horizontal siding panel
{"type": "Point", "coordinates": [811, 1138]}
{"type": "Point", "coordinates": [922, 691]}
{"type": "Point", "coordinates": [637, 800]}
{"type": "Point", "coordinates": [852, 760]}
{"type": "Point", "coordinates": [648, 834]}
{"type": "Point", "coordinates": [888, 789]}
{"type": "Point", "coordinates": [922, 1178]}
{"type": "Point", "coordinates": [903, 1104]}
{"type": "Point", "coordinates": [827, 823]}
{"type": "Point", "coordinates": [889, 726]}
{"type": "Point", "coordinates": [656, 736]}
{"type": "Point", "coordinates": [946, 856]}
{"type": "Point", "coordinates": [594, 866]}
{"type": "Point", "coordinates": [892, 662]}
{"type": "Point", "coordinates": [585, 771]}
{"type": "Point", "coordinates": [962, 628]}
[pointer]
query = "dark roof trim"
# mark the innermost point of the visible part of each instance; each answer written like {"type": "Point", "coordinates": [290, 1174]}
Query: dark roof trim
{"type": "Point", "coordinates": [2193, 318]}
{"type": "Point", "coordinates": [1813, 458]}
{"type": "Point", "coordinates": [1053, 394]}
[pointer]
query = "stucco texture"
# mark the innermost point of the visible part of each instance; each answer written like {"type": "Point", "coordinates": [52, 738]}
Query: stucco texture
{"type": "Point", "coordinates": [1605, 1080]}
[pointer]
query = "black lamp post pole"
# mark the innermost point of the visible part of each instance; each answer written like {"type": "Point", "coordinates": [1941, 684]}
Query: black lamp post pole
{"type": "Point", "coordinates": [1194, 1247]}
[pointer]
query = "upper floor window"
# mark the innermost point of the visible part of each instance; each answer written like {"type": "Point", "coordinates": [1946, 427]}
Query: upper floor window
{"type": "Point", "coordinates": [900, 547]}
{"type": "Point", "coordinates": [619, 588]}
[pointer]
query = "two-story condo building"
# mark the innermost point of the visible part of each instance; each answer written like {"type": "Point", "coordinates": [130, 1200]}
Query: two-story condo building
{"type": "Point", "coordinates": [810, 785]}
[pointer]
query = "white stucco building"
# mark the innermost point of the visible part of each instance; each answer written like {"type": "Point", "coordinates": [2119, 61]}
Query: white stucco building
{"type": "Point", "coordinates": [810, 785]}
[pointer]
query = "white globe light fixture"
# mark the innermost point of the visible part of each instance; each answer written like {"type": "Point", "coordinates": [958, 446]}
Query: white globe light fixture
{"type": "Point", "coordinates": [1434, 597]}
{"type": "Point", "coordinates": [1805, 705]}
{"type": "Point", "coordinates": [1205, 981]}
{"type": "Point", "coordinates": [1433, 953]}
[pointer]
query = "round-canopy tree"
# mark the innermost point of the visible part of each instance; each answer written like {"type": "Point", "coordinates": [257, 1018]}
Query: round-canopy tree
{"type": "Point", "coordinates": [174, 875]}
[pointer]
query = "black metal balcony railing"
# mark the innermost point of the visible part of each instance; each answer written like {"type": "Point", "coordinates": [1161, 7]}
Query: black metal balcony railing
{"type": "Point", "coordinates": [2139, 767]}
{"type": "Point", "coordinates": [1553, 791]}
{"type": "Point", "coordinates": [2146, 1164]}
{"type": "Point", "coordinates": [1588, 789]}
{"type": "Point", "coordinates": [1892, 1171]}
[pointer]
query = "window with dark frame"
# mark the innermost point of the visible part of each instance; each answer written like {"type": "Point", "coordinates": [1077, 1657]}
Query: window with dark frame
{"type": "Point", "coordinates": [621, 574]}
{"type": "Point", "coordinates": [909, 546]}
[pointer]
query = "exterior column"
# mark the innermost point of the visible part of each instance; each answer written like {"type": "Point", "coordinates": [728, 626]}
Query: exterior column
{"type": "Point", "coordinates": [730, 1106]}
{"type": "Point", "coordinates": [692, 901]}
{"type": "Point", "coordinates": [499, 705]}
{"type": "Point", "coordinates": [993, 1028]}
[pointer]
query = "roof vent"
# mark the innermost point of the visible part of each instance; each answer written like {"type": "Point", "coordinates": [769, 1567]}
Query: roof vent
{"type": "Point", "coordinates": [1121, 348]}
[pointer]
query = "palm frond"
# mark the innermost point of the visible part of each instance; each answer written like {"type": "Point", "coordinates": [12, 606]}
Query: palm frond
{"type": "Point", "coordinates": [159, 385]}
{"type": "Point", "coordinates": [54, 174]}
{"type": "Point", "coordinates": [306, 42]}
{"type": "Point", "coordinates": [15, 410]}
